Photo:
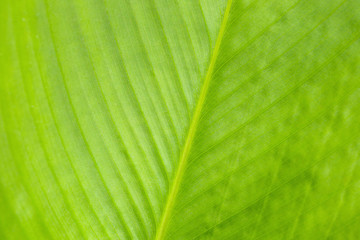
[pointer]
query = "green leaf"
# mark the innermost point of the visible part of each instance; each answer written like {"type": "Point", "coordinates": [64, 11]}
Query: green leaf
{"type": "Point", "coordinates": [170, 119]}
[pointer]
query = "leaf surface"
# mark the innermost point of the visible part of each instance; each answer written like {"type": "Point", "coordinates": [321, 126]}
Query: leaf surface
{"type": "Point", "coordinates": [160, 119]}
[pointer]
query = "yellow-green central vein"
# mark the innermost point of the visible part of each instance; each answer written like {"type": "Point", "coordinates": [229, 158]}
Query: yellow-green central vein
{"type": "Point", "coordinates": [160, 234]}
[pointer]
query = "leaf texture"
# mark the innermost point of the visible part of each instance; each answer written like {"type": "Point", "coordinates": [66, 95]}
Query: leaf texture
{"type": "Point", "coordinates": [160, 119]}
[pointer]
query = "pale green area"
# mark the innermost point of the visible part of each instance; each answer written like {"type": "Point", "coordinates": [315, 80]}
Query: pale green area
{"type": "Point", "coordinates": [97, 98]}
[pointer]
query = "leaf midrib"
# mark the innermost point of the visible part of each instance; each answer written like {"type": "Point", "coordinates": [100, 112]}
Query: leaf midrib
{"type": "Point", "coordinates": [161, 230]}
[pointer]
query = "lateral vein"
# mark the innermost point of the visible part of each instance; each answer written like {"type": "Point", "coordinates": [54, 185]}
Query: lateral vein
{"type": "Point", "coordinates": [161, 232]}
